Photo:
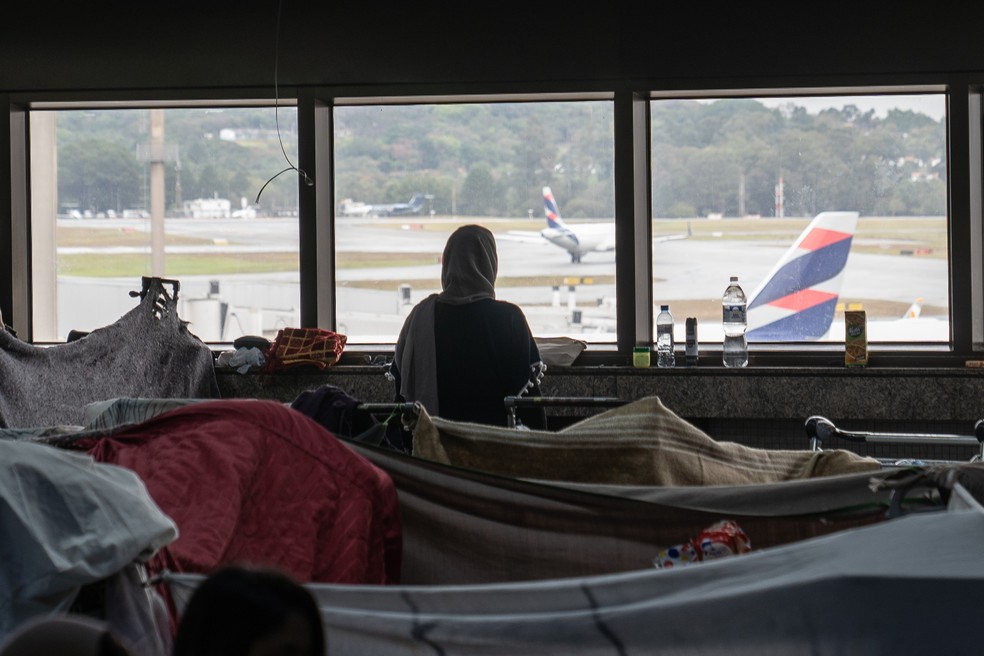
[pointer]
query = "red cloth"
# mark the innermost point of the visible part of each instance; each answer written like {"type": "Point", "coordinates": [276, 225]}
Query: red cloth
{"type": "Point", "coordinates": [298, 346]}
{"type": "Point", "coordinates": [253, 481]}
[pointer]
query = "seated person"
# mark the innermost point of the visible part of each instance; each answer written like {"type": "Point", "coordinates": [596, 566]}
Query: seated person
{"type": "Point", "coordinates": [461, 352]}
{"type": "Point", "coordinates": [240, 611]}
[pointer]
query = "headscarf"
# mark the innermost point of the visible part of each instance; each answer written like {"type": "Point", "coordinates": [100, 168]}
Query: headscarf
{"type": "Point", "coordinates": [469, 267]}
{"type": "Point", "coordinates": [68, 635]}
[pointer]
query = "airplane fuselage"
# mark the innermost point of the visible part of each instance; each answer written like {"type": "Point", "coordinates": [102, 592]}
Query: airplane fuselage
{"type": "Point", "coordinates": [393, 211]}
{"type": "Point", "coordinates": [415, 206]}
{"type": "Point", "coordinates": [585, 238]}
{"type": "Point", "coordinates": [565, 239]}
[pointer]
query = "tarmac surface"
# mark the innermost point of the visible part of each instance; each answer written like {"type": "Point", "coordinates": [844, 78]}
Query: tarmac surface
{"type": "Point", "coordinates": [689, 274]}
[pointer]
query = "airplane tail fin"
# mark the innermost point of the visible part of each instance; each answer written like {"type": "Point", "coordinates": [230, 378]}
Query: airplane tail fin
{"type": "Point", "coordinates": [796, 301]}
{"type": "Point", "coordinates": [552, 211]}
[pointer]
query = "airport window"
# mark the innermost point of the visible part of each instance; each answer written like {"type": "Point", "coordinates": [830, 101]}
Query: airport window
{"type": "Point", "coordinates": [735, 182]}
{"type": "Point", "coordinates": [818, 205]}
{"type": "Point", "coordinates": [175, 192]}
{"type": "Point", "coordinates": [538, 174]}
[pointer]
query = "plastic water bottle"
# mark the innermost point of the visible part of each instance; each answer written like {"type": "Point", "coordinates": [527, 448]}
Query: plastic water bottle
{"type": "Point", "coordinates": [735, 321]}
{"type": "Point", "coordinates": [664, 338]}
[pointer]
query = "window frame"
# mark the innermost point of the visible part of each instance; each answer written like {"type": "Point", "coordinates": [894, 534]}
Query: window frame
{"type": "Point", "coordinates": [965, 207]}
{"type": "Point", "coordinates": [21, 294]}
{"type": "Point", "coordinates": [959, 261]}
{"type": "Point", "coordinates": [327, 150]}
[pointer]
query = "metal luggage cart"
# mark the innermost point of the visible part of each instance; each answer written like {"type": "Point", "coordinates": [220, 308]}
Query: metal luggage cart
{"type": "Point", "coordinates": [406, 412]}
{"type": "Point", "coordinates": [515, 403]}
{"type": "Point", "coordinates": [820, 429]}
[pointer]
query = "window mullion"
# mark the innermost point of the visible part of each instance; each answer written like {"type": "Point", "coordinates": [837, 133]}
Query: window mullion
{"type": "Point", "coordinates": [633, 236]}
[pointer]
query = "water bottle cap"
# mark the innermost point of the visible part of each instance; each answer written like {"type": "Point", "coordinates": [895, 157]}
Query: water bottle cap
{"type": "Point", "coordinates": [734, 278]}
{"type": "Point", "coordinates": [664, 308]}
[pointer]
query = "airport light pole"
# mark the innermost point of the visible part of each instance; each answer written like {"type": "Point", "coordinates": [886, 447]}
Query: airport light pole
{"type": "Point", "coordinates": [158, 153]}
{"type": "Point", "coordinates": [157, 193]}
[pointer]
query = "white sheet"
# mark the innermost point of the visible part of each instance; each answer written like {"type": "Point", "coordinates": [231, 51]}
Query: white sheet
{"type": "Point", "coordinates": [67, 521]}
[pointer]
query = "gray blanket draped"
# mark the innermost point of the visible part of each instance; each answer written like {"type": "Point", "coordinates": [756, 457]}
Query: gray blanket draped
{"type": "Point", "coordinates": [148, 352]}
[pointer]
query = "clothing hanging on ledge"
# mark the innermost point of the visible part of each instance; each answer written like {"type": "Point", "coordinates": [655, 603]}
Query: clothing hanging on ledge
{"type": "Point", "coordinates": [148, 352]}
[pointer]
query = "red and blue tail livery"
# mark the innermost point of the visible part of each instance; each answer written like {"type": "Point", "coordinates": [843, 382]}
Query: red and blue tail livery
{"type": "Point", "coordinates": [551, 210]}
{"type": "Point", "coordinates": [797, 300]}
{"type": "Point", "coordinates": [588, 238]}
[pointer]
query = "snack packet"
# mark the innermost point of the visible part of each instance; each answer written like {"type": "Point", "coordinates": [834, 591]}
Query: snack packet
{"type": "Point", "coordinates": [724, 538]}
{"type": "Point", "coordinates": [677, 556]}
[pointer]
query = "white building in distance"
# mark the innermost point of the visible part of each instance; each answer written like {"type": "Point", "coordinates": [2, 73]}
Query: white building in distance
{"type": "Point", "coordinates": [208, 208]}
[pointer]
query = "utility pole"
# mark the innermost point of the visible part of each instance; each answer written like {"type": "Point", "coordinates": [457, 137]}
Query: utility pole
{"type": "Point", "coordinates": [157, 153]}
{"type": "Point", "coordinates": [157, 193]}
{"type": "Point", "coordinates": [741, 194]}
{"type": "Point", "coordinates": [780, 201]}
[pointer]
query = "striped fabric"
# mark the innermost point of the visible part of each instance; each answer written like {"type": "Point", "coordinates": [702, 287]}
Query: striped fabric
{"type": "Point", "coordinates": [641, 443]}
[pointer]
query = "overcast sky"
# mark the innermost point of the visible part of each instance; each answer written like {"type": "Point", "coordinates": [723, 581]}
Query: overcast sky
{"type": "Point", "coordinates": [932, 105]}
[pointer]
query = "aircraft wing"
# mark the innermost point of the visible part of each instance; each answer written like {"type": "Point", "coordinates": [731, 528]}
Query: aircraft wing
{"type": "Point", "coordinates": [662, 238]}
{"type": "Point", "coordinates": [530, 236]}
{"type": "Point", "coordinates": [523, 236]}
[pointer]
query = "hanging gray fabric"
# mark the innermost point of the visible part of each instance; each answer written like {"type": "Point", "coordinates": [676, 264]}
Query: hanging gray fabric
{"type": "Point", "coordinates": [148, 352]}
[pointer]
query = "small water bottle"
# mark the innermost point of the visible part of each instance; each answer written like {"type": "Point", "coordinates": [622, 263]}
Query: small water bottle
{"type": "Point", "coordinates": [664, 338]}
{"type": "Point", "coordinates": [735, 321]}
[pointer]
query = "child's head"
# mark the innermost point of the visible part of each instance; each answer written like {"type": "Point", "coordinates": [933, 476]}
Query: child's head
{"type": "Point", "coordinates": [239, 611]}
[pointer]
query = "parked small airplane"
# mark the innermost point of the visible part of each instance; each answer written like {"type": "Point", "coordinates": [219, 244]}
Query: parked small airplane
{"type": "Point", "coordinates": [414, 206]}
{"type": "Point", "coordinates": [349, 207]}
{"type": "Point", "coordinates": [582, 238]}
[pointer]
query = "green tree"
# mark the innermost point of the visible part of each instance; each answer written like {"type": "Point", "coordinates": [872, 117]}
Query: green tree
{"type": "Point", "coordinates": [96, 174]}
{"type": "Point", "coordinates": [480, 194]}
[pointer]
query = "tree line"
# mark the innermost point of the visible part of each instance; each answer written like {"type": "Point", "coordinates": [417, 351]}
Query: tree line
{"type": "Point", "coordinates": [210, 153]}
{"type": "Point", "coordinates": [725, 157]}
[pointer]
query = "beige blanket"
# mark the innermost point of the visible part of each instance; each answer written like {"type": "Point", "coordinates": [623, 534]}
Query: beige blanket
{"type": "Point", "coordinates": [641, 443]}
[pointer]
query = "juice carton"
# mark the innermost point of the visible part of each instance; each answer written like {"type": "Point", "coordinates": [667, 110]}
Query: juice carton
{"type": "Point", "coordinates": [855, 338]}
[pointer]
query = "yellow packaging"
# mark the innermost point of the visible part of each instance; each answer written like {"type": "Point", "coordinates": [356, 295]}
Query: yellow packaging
{"type": "Point", "coordinates": [855, 338]}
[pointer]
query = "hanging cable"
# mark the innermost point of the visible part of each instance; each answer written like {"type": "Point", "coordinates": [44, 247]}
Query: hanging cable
{"type": "Point", "coordinates": [276, 113]}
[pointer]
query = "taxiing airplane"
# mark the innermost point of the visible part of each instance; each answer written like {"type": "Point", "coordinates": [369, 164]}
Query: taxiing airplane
{"type": "Point", "coordinates": [582, 238]}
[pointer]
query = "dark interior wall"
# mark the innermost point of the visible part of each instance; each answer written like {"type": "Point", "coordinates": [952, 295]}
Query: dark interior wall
{"type": "Point", "coordinates": [116, 45]}
{"type": "Point", "coordinates": [136, 45]}
{"type": "Point", "coordinates": [445, 47]}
